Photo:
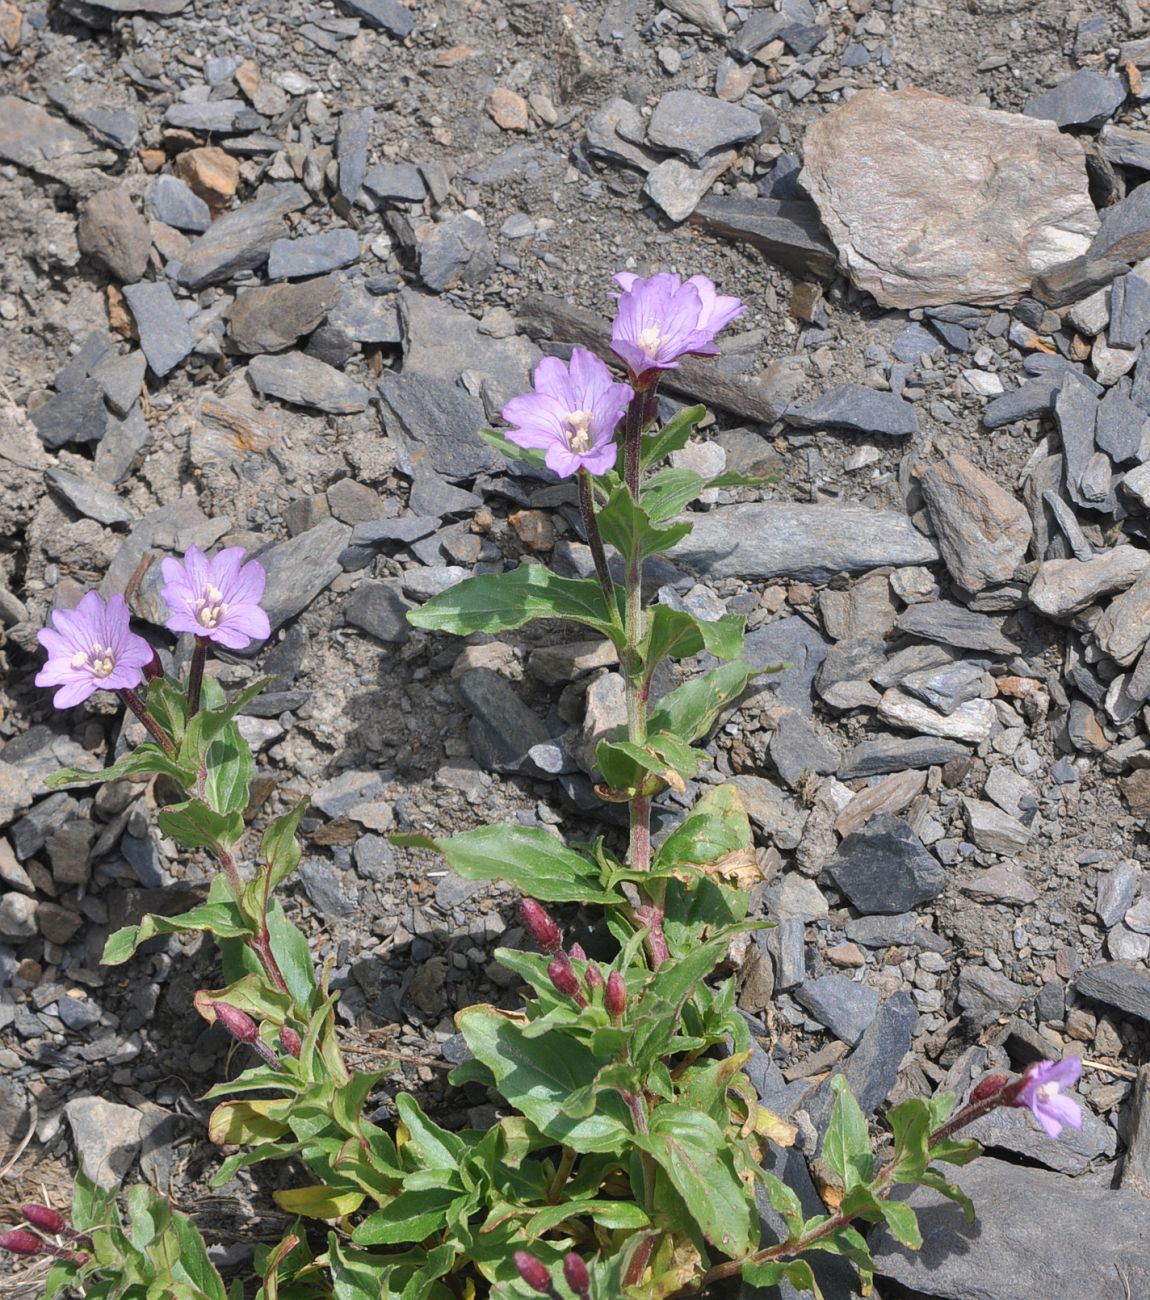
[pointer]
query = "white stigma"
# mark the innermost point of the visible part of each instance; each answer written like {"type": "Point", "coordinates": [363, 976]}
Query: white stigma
{"type": "Point", "coordinates": [577, 430]}
{"type": "Point", "coordinates": [98, 660]}
{"type": "Point", "coordinates": [210, 608]}
{"type": "Point", "coordinates": [650, 341]}
{"type": "Point", "coordinates": [1045, 1091]}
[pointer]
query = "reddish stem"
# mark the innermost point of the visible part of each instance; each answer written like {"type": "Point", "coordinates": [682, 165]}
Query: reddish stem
{"type": "Point", "coordinates": [151, 726]}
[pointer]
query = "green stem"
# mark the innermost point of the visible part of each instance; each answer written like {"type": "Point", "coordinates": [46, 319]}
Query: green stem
{"type": "Point", "coordinates": [151, 726]}
{"type": "Point", "coordinates": [260, 944]}
{"type": "Point", "coordinates": [562, 1173]}
{"type": "Point", "coordinates": [196, 675]}
{"type": "Point", "coordinates": [595, 541]}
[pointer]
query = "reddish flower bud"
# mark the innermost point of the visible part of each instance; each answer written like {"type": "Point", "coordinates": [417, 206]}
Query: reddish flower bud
{"type": "Point", "coordinates": [290, 1041]}
{"type": "Point", "coordinates": [153, 669]}
{"type": "Point", "coordinates": [238, 1023]}
{"type": "Point", "coordinates": [543, 929]}
{"type": "Point", "coordinates": [565, 980]}
{"type": "Point", "coordinates": [44, 1218]}
{"type": "Point", "coordinates": [575, 1271]}
{"type": "Point", "coordinates": [21, 1242]}
{"type": "Point", "coordinates": [533, 1272]}
{"type": "Point", "coordinates": [989, 1087]}
{"type": "Point", "coordinates": [577, 953]}
{"type": "Point", "coordinates": [616, 995]}
{"type": "Point", "coordinates": [78, 1257]}
{"type": "Point", "coordinates": [593, 976]}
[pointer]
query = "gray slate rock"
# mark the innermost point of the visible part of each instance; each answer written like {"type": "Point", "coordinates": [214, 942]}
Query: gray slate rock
{"type": "Point", "coordinates": [857, 407]}
{"type": "Point", "coordinates": [794, 642]}
{"type": "Point", "coordinates": [272, 318]}
{"type": "Point", "coordinates": [438, 420]}
{"type": "Point", "coordinates": [217, 116]}
{"type": "Point", "coordinates": [1087, 98]}
{"type": "Point", "coordinates": [983, 530]}
{"type": "Point", "coordinates": [379, 609]}
{"type": "Point", "coordinates": [946, 687]}
{"type": "Point", "coordinates": [954, 625]}
{"type": "Point", "coordinates": [300, 568]}
{"type": "Point", "coordinates": [502, 728]}
{"type": "Point", "coordinates": [76, 416]}
{"type": "Point", "coordinates": [844, 1007]}
{"type": "Point", "coordinates": [123, 441]}
{"type": "Point", "coordinates": [797, 749]}
{"type": "Point", "coordinates": [808, 543]}
{"type": "Point", "coordinates": [1129, 311]}
{"type": "Point", "coordinates": [1124, 234]}
{"type": "Point", "coordinates": [985, 994]}
{"type": "Point", "coordinates": [364, 317]}
{"type": "Point", "coordinates": [885, 868]}
{"type": "Point", "coordinates": [106, 1137]}
{"type": "Point", "coordinates": [351, 151]}
{"type": "Point", "coordinates": [895, 754]}
{"type": "Point", "coordinates": [325, 890]}
{"type": "Point", "coordinates": [1118, 984]}
{"type": "Point", "coordinates": [385, 15]}
{"type": "Point", "coordinates": [291, 259]}
{"type": "Point", "coordinates": [1120, 427]}
{"type": "Point", "coordinates": [386, 182]}
{"type": "Point", "coordinates": [121, 379]}
{"type": "Point", "coordinates": [166, 338]}
{"type": "Point", "coordinates": [172, 201]}
{"type": "Point", "coordinates": [1016, 1130]}
{"type": "Point", "coordinates": [694, 125]}
{"type": "Point", "coordinates": [788, 231]}
{"type": "Point", "coordinates": [91, 500]}
{"type": "Point", "coordinates": [457, 250]}
{"type": "Point", "coordinates": [1030, 1224]}
{"type": "Point", "coordinates": [302, 380]}
{"type": "Point", "coordinates": [240, 240]}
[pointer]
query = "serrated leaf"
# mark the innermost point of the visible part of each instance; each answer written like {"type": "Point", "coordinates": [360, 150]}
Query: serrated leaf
{"type": "Point", "coordinates": [525, 856]}
{"type": "Point", "coordinates": [501, 602]}
{"type": "Point", "coordinates": [846, 1147]}
{"type": "Point", "coordinates": [318, 1201]}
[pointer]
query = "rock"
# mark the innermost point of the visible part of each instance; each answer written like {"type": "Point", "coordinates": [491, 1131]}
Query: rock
{"type": "Point", "coordinates": [455, 251]}
{"type": "Point", "coordinates": [1124, 627]}
{"type": "Point", "coordinates": [694, 125]}
{"type": "Point", "coordinates": [844, 1007]}
{"type": "Point", "coordinates": [302, 380]}
{"type": "Point", "coordinates": [890, 795]}
{"type": "Point", "coordinates": [273, 318]}
{"type": "Point", "coordinates": [89, 499]}
{"type": "Point", "coordinates": [972, 721]}
{"type": "Point", "coordinates": [1115, 892]}
{"type": "Point", "coordinates": [895, 753]}
{"type": "Point", "coordinates": [76, 416]}
{"type": "Point", "coordinates": [123, 441]}
{"type": "Point", "coordinates": [1030, 1224]}
{"type": "Point", "coordinates": [170, 200]}
{"type": "Point", "coordinates": [778, 817]}
{"type": "Point", "coordinates": [166, 338]}
{"type": "Point", "coordinates": [325, 890]}
{"type": "Point", "coordinates": [1124, 234]}
{"type": "Point", "coordinates": [106, 1137]}
{"type": "Point", "coordinates": [983, 531]}
{"type": "Point", "coordinates": [351, 151]}
{"type": "Point", "coordinates": [212, 116]}
{"type": "Point", "coordinates": [1003, 197]}
{"type": "Point", "coordinates": [240, 240]}
{"type": "Point", "coordinates": [1120, 427]}
{"type": "Point", "coordinates": [677, 188]}
{"type": "Point", "coordinates": [17, 916]}
{"type": "Point", "coordinates": [986, 994]}
{"type": "Point", "coordinates": [120, 379]}
{"type": "Point", "coordinates": [792, 642]}
{"type": "Point", "coordinates": [786, 943]}
{"type": "Point", "coordinates": [862, 614]}
{"type": "Point", "coordinates": [313, 254]}
{"type": "Point", "coordinates": [1118, 984]}
{"type": "Point", "coordinates": [1136, 1163]}
{"type": "Point", "coordinates": [387, 182]}
{"type": "Point", "coordinates": [365, 317]}
{"type": "Point", "coordinates": [1063, 587]}
{"type": "Point", "coordinates": [787, 231]}
{"type": "Point", "coordinates": [210, 173]}
{"type": "Point", "coordinates": [1004, 883]}
{"type": "Point", "coordinates": [1076, 1150]}
{"type": "Point", "coordinates": [953, 625]}
{"type": "Point", "coordinates": [508, 110]}
{"type": "Point", "coordinates": [501, 728]}
{"type": "Point", "coordinates": [391, 16]}
{"type": "Point", "coordinates": [797, 749]}
{"type": "Point", "coordinates": [47, 145]}
{"type": "Point", "coordinates": [1129, 310]}
{"type": "Point", "coordinates": [857, 407]}
{"type": "Point", "coordinates": [379, 609]}
{"type": "Point", "coordinates": [1087, 98]}
{"type": "Point", "coordinates": [884, 867]}
{"type": "Point", "coordinates": [300, 568]}
{"type": "Point", "coordinates": [613, 133]}
{"type": "Point", "coordinates": [1072, 280]}
{"type": "Point", "coordinates": [946, 687]}
{"type": "Point", "coordinates": [992, 830]}
{"type": "Point", "coordinates": [433, 419]}
{"type": "Point", "coordinates": [705, 14]}
{"type": "Point", "coordinates": [807, 543]}
{"type": "Point", "coordinates": [114, 235]}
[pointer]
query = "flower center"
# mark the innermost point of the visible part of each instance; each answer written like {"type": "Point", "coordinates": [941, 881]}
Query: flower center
{"type": "Point", "coordinates": [577, 430]}
{"type": "Point", "coordinates": [98, 660]}
{"type": "Point", "coordinates": [651, 340]}
{"type": "Point", "coordinates": [1045, 1091]}
{"type": "Point", "coordinates": [210, 607]}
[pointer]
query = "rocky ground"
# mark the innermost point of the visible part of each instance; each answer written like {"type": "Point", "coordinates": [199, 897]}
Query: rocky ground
{"type": "Point", "coordinates": [265, 270]}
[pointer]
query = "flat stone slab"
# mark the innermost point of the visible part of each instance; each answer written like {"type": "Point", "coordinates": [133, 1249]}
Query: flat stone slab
{"type": "Point", "coordinates": [694, 125]}
{"type": "Point", "coordinates": [1030, 1224]}
{"type": "Point", "coordinates": [857, 407]}
{"type": "Point", "coordinates": [302, 380]}
{"type": "Point", "coordinates": [808, 543]}
{"type": "Point", "coordinates": [931, 201]}
{"type": "Point", "coordinates": [240, 240]}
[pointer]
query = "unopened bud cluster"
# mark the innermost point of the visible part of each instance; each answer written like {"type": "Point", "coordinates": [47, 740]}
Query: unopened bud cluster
{"type": "Point", "coordinates": [245, 1030]}
{"type": "Point", "coordinates": [561, 970]}
{"type": "Point", "coordinates": [534, 1273]}
{"type": "Point", "coordinates": [23, 1241]}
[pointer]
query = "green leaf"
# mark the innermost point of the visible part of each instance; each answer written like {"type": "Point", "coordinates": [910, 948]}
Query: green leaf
{"type": "Point", "coordinates": [538, 1075]}
{"type": "Point", "coordinates": [513, 452]}
{"type": "Point", "coordinates": [289, 947]}
{"type": "Point", "coordinates": [936, 1179]}
{"type": "Point", "coordinates": [501, 602]}
{"type": "Point", "coordinates": [783, 1201]}
{"type": "Point", "coordinates": [673, 436]}
{"type": "Point", "coordinates": [280, 847]}
{"type": "Point", "coordinates": [691, 1149]}
{"type": "Point", "coordinates": [525, 856]}
{"type": "Point", "coordinates": [675, 634]}
{"type": "Point", "coordinates": [768, 1273]}
{"type": "Point", "coordinates": [355, 1274]}
{"type": "Point", "coordinates": [627, 527]}
{"type": "Point", "coordinates": [196, 826]}
{"type": "Point", "coordinates": [194, 1261]}
{"type": "Point", "coordinates": [221, 919]}
{"type": "Point", "coordinates": [167, 702]}
{"type": "Point", "coordinates": [211, 721]}
{"type": "Point", "coordinates": [690, 710]}
{"type": "Point", "coordinates": [800, 1275]}
{"type": "Point", "coordinates": [956, 1151]}
{"type": "Point", "coordinates": [903, 1223]}
{"type": "Point", "coordinates": [147, 759]}
{"type": "Point", "coordinates": [846, 1147]}
{"type": "Point", "coordinates": [434, 1147]}
{"type": "Point", "coordinates": [411, 1216]}
{"type": "Point", "coordinates": [611, 1215]}
{"type": "Point", "coordinates": [714, 829]}
{"type": "Point", "coordinates": [667, 493]}
{"type": "Point", "coordinates": [229, 769]}
{"type": "Point", "coordinates": [663, 756]}
{"type": "Point", "coordinates": [910, 1123]}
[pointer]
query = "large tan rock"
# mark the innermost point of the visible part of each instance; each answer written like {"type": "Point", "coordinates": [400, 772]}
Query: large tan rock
{"type": "Point", "coordinates": [931, 201]}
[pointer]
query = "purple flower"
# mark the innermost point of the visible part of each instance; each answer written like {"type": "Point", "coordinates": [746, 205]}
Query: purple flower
{"type": "Point", "coordinates": [217, 599]}
{"type": "Point", "coordinates": [1040, 1091]}
{"type": "Point", "coordinates": [90, 648]}
{"type": "Point", "coordinates": [662, 319]}
{"type": "Point", "coordinates": [572, 414]}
